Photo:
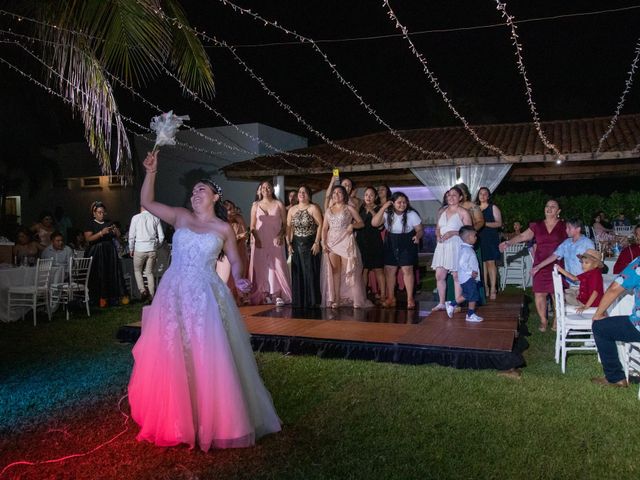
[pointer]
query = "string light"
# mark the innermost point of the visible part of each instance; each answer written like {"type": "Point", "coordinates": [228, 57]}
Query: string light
{"type": "Point", "coordinates": [285, 106]}
{"type": "Point", "coordinates": [499, 5]}
{"type": "Point", "coordinates": [144, 100]}
{"type": "Point", "coordinates": [184, 86]}
{"type": "Point", "coordinates": [124, 117]}
{"type": "Point", "coordinates": [45, 24]}
{"type": "Point", "coordinates": [627, 88]}
{"type": "Point", "coordinates": [342, 80]}
{"type": "Point", "coordinates": [435, 30]}
{"type": "Point", "coordinates": [233, 149]}
{"type": "Point", "coordinates": [184, 145]}
{"type": "Point", "coordinates": [197, 98]}
{"type": "Point", "coordinates": [434, 81]}
{"type": "Point", "coordinates": [276, 97]}
{"type": "Point", "coordinates": [297, 116]}
{"type": "Point", "coordinates": [502, 7]}
{"type": "Point", "coordinates": [88, 106]}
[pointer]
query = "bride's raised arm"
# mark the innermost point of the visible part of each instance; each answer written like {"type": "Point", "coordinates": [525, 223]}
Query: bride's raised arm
{"type": "Point", "coordinates": [147, 193]}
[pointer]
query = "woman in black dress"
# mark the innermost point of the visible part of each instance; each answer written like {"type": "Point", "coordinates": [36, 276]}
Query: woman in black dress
{"type": "Point", "coordinates": [489, 237]}
{"type": "Point", "coordinates": [404, 231]}
{"type": "Point", "coordinates": [369, 240]}
{"type": "Point", "coordinates": [304, 220]}
{"type": "Point", "coordinates": [106, 283]}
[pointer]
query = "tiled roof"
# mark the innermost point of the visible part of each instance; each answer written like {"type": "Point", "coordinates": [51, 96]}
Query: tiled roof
{"type": "Point", "coordinates": [576, 139]}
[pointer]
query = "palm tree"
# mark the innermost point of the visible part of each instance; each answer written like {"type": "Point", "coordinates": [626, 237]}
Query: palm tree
{"type": "Point", "coordinates": [79, 43]}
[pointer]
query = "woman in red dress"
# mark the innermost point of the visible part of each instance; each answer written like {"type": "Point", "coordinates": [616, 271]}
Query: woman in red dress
{"type": "Point", "coordinates": [548, 233]}
{"type": "Point", "coordinates": [628, 253]}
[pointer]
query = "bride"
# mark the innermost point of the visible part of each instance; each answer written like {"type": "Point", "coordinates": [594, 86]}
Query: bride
{"type": "Point", "coordinates": [195, 379]}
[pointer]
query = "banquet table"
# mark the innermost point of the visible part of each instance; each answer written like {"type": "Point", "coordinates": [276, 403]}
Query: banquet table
{"type": "Point", "coordinates": [11, 276]}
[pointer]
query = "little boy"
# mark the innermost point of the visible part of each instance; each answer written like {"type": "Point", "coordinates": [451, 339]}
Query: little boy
{"type": "Point", "coordinates": [591, 287]}
{"type": "Point", "coordinates": [468, 269]}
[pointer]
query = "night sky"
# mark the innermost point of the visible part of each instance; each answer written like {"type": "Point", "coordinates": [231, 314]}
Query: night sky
{"type": "Point", "coordinates": [577, 67]}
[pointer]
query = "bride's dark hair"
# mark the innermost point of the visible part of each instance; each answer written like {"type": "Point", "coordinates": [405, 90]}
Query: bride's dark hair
{"type": "Point", "coordinates": [218, 208]}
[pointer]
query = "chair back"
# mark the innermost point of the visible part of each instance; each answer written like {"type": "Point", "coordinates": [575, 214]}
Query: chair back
{"type": "Point", "coordinates": [588, 232]}
{"type": "Point", "coordinates": [513, 265]}
{"type": "Point", "coordinates": [79, 270]}
{"type": "Point", "coordinates": [623, 230]}
{"type": "Point", "coordinates": [43, 272]}
{"type": "Point", "coordinates": [515, 252]}
{"type": "Point", "coordinates": [558, 295]}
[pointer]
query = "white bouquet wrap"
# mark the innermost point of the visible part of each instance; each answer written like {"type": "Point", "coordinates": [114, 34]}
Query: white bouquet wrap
{"type": "Point", "coordinates": [166, 126]}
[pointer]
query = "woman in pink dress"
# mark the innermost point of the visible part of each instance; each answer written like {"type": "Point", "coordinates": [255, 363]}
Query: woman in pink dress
{"type": "Point", "coordinates": [268, 267]}
{"type": "Point", "coordinates": [548, 233]}
{"type": "Point", "coordinates": [341, 271]}
{"type": "Point", "coordinates": [195, 379]}
{"type": "Point", "coordinates": [223, 267]}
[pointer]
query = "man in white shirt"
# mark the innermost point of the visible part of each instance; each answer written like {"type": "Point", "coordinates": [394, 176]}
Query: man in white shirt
{"type": "Point", "coordinates": [145, 237]}
{"type": "Point", "coordinates": [57, 250]}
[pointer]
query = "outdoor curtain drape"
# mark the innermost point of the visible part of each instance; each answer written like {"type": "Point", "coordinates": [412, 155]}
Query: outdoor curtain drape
{"type": "Point", "coordinates": [440, 179]}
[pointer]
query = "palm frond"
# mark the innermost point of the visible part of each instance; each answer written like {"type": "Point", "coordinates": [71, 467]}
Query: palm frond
{"type": "Point", "coordinates": [188, 57]}
{"type": "Point", "coordinates": [81, 79]}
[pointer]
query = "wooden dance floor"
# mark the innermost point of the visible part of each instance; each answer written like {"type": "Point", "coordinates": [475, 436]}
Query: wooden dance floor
{"type": "Point", "coordinates": [390, 335]}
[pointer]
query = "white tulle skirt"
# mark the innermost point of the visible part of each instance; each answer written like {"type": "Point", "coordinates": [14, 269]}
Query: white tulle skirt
{"type": "Point", "coordinates": [195, 379]}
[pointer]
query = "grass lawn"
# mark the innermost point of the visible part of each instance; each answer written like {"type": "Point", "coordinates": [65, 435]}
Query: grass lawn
{"type": "Point", "coordinates": [60, 384]}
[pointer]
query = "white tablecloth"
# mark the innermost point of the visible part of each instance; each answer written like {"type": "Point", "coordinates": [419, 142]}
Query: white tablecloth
{"type": "Point", "coordinates": [610, 262]}
{"type": "Point", "coordinates": [17, 277]}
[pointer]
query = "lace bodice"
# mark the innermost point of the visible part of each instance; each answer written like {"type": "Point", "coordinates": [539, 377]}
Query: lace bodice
{"type": "Point", "coordinates": [303, 223]}
{"type": "Point", "coordinates": [192, 250]}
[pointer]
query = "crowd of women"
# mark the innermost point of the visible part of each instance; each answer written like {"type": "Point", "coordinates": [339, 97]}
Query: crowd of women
{"type": "Point", "coordinates": [356, 251]}
{"type": "Point", "coordinates": [339, 255]}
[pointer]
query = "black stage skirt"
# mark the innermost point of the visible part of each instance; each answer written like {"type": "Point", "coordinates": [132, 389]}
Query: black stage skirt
{"type": "Point", "coordinates": [105, 279]}
{"type": "Point", "coordinates": [305, 273]}
{"type": "Point", "coordinates": [399, 249]}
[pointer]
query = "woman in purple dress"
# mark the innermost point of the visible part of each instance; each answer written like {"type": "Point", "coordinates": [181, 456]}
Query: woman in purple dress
{"type": "Point", "coordinates": [548, 233]}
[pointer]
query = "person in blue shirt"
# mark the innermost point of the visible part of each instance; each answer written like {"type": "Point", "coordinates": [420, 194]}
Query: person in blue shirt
{"type": "Point", "coordinates": [609, 330]}
{"type": "Point", "coordinates": [621, 221]}
{"type": "Point", "coordinates": [569, 250]}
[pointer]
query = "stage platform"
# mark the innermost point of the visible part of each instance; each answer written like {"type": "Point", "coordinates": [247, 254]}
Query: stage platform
{"type": "Point", "coordinates": [390, 335]}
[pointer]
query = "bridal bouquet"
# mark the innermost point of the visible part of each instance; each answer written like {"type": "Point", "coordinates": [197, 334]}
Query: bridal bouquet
{"type": "Point", "coordinates": [166, 126]}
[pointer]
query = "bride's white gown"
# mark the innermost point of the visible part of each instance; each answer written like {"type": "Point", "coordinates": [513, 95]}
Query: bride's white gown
{"type": "Point", "coordinates": [195, 378]}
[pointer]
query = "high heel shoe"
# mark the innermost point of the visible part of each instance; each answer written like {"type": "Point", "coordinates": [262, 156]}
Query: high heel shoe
{"type": "Point", "coordinates": [389, 303]}
{"type": "Point", "coordinates": [411, 305]}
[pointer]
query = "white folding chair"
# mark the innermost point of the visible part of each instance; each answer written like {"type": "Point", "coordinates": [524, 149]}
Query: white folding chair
{"type": "Point", "coordinates": [512, 270]}
{"type": "Point", "coordinates": [573, 329]}
{"type": "Point", "coordinates": [629, 355]}
{"type": "Point", "coordinates": [623, 231]}
{"type": "Point", "coordinates": [77, 285]}
{"type": "Point", "coordinates": [33, 296]}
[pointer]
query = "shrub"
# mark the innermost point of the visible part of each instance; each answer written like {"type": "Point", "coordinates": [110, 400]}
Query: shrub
{"type": "Point", "coordinates": [526, 207]}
